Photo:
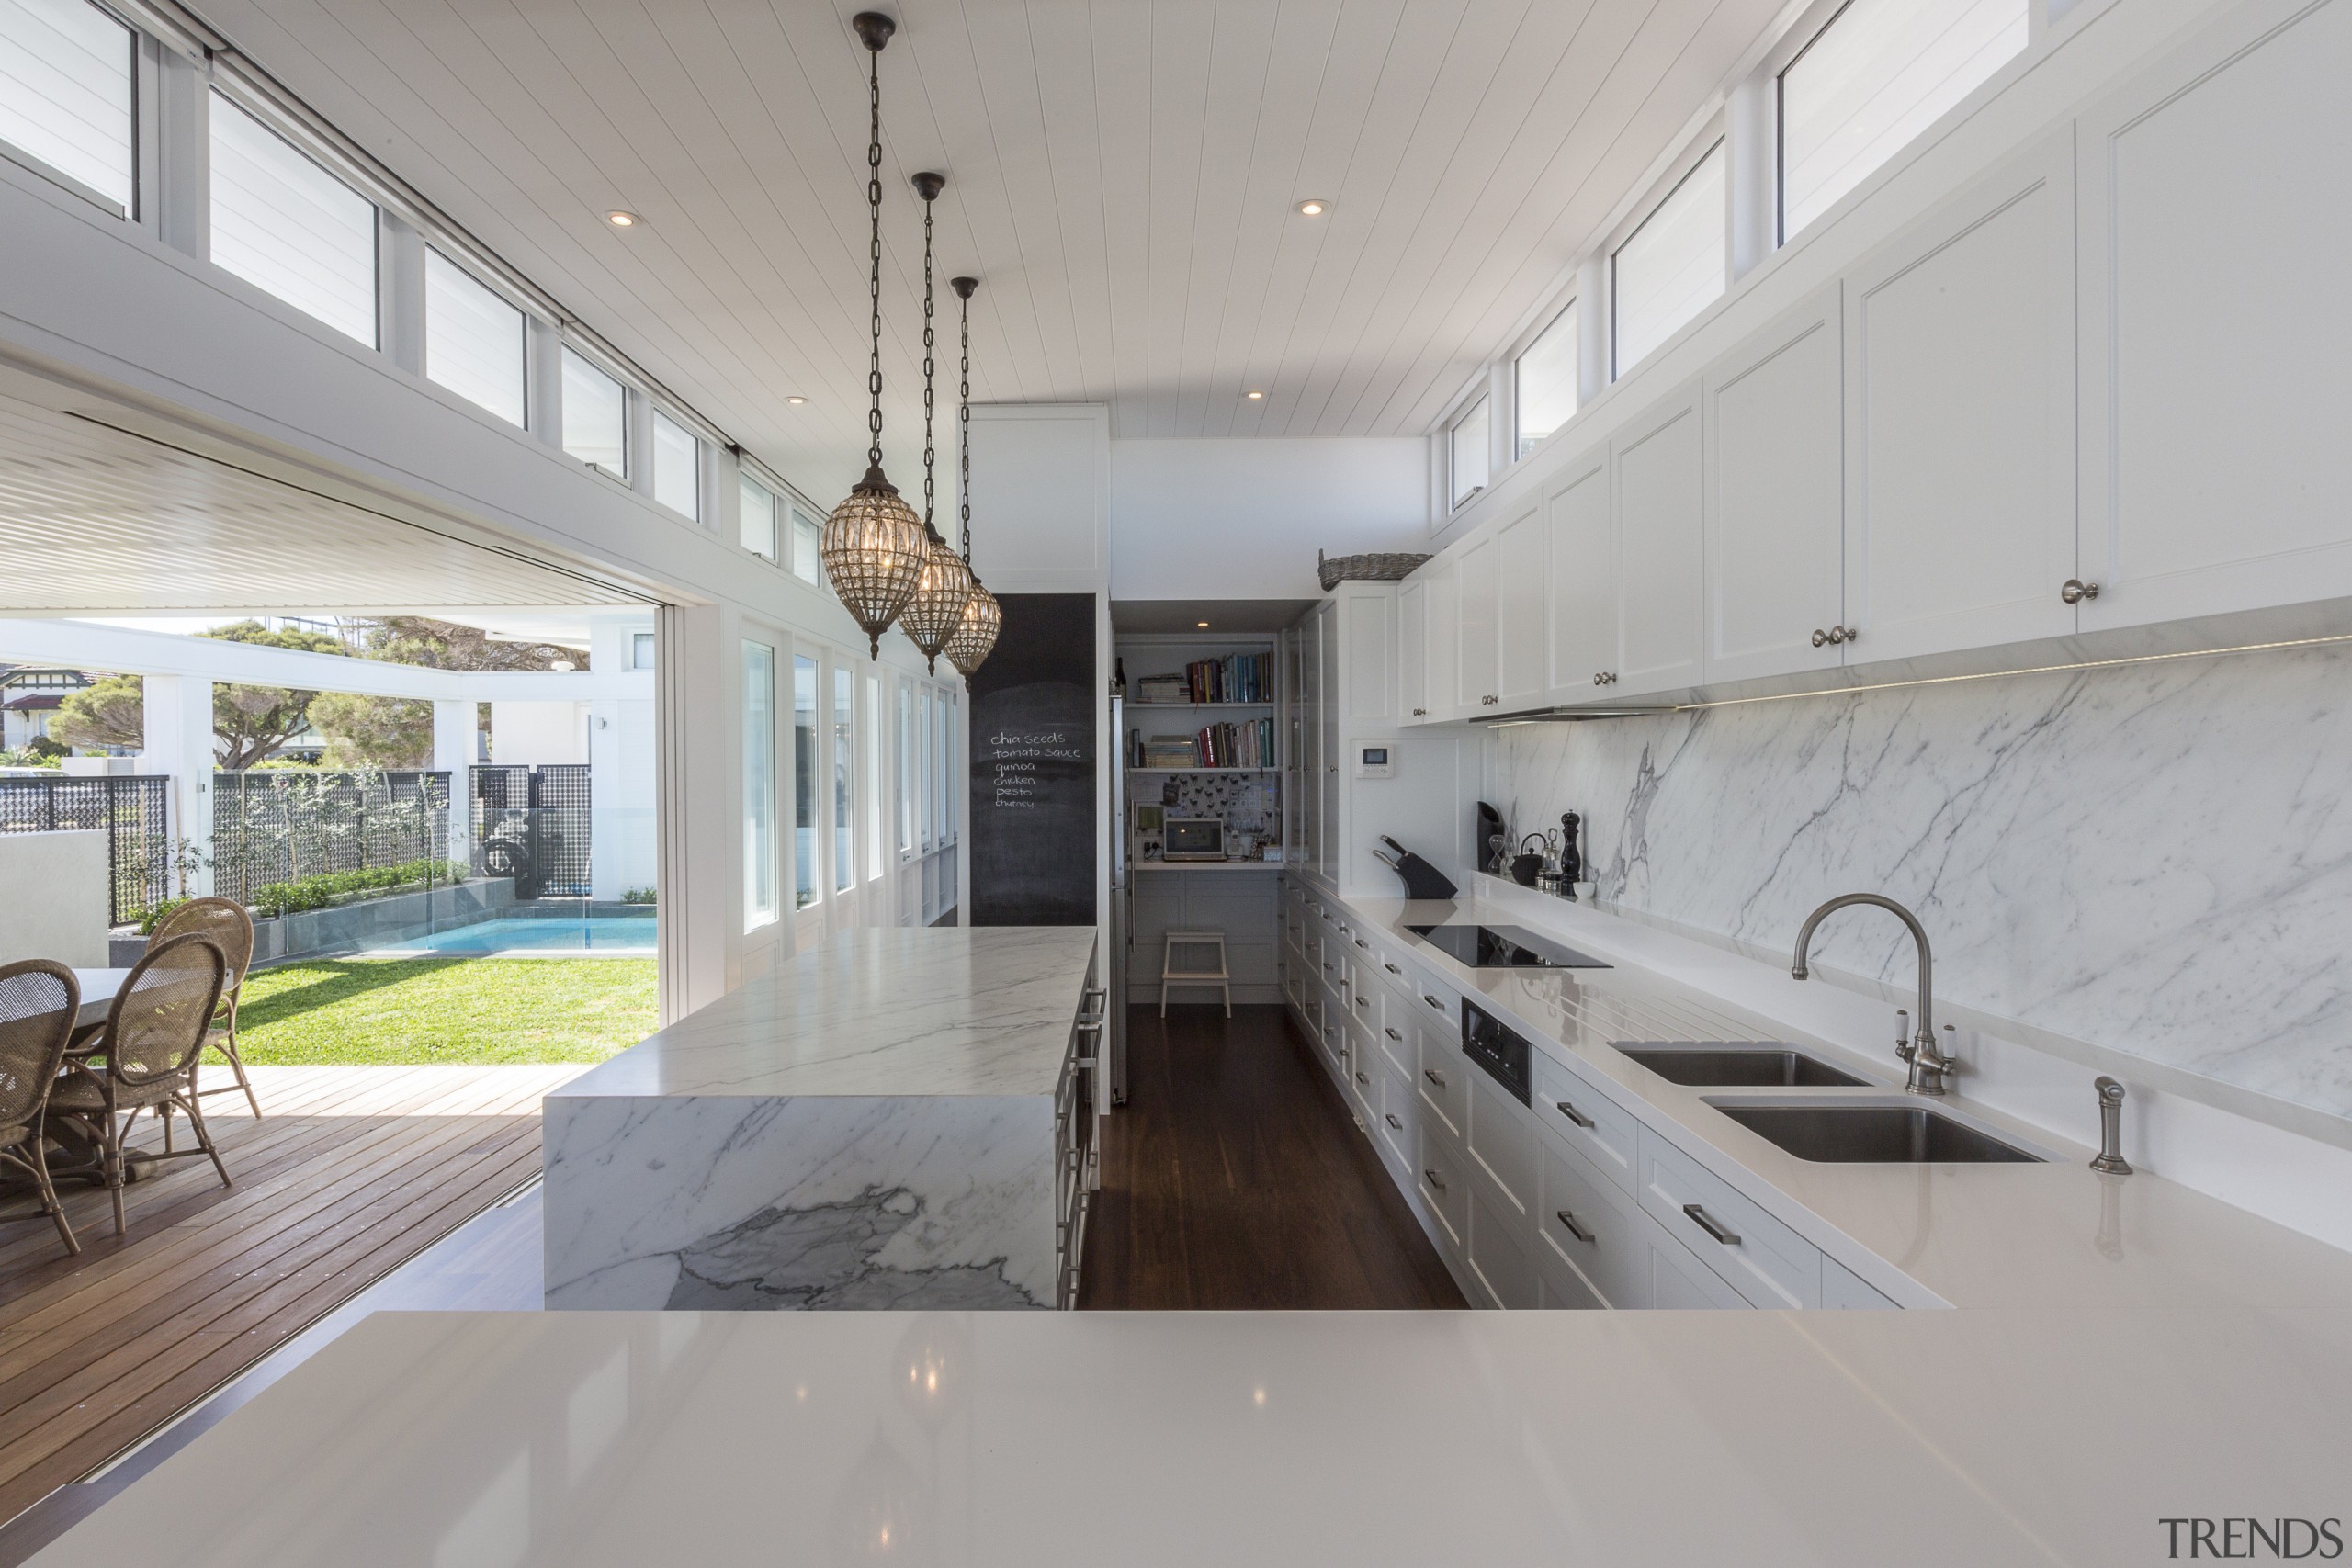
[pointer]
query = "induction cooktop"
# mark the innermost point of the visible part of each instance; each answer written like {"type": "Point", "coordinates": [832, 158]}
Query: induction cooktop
{"type": "Point", "coordinates": [1503, 947]}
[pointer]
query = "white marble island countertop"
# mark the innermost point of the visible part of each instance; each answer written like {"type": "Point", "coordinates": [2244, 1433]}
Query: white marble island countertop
{"type": "Point", "coordinates": [1761, 1440]}
{"type": "Point", "coordinates": [875, 1012]}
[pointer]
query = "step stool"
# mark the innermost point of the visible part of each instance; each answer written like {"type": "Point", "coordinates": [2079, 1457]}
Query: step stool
{"type": "Point", "coordinates": [1171, 976]}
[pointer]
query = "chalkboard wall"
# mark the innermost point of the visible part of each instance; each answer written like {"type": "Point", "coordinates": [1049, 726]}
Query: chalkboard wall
{"type": "Point", "coordinates": [1035, 707]}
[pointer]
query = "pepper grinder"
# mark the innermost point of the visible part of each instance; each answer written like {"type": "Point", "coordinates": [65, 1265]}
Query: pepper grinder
{"type": "Point", "coordinates": [1571, 857]}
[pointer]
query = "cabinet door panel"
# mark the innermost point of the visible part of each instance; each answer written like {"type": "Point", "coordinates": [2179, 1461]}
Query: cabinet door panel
{"type": "Point", "coordinates": [1481, 584]}
{"type": "Point", "coordinates": [1580, 554]}
{"type": "Point", "coordinates": [1960, 409]}
{"type": "Point", "coordinates": [2216, 327]}
{"type": "Point", "coordinates": [1521, 637]}
{"type": "Point", "coordinates": [1445, 631]}
{"type": "Point", "coordinates": [1413, 652]}
{"type": "Point", "coordinates": [1371, 612]}
{"type": "Point", "coordinates": [1775, 498]}
{"type": "Point", "coordinates": [1661, 569]}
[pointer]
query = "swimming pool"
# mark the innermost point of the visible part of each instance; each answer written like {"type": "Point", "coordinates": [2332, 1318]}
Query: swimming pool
{"type": "Point", "coordinates": [604, 936]}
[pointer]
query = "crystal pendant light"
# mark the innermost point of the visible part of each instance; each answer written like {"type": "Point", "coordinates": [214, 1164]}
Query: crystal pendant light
{"type": "Point", "coordinates": [932, 615]}
{"type": "Point", "coordinates": [975, 635]}
{"type": "Point", "coordinates": [872, 545]}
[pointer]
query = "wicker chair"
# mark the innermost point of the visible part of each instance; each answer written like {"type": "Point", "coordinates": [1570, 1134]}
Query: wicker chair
{"type": "Point", "coordinates": [156, 1031]}
{"type": "Point", "coordinates": [232, 929]}
{"type": "Point", "coordinates": [38, 1001]}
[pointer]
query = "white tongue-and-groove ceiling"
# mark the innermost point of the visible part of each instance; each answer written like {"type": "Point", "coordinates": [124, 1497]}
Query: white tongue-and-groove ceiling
{"type": "Point", "coordinates": [1122, 176]}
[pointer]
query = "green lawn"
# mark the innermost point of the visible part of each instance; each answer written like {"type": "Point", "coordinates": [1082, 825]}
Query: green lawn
{"type": "Point", "coordinates": [401, 1012]}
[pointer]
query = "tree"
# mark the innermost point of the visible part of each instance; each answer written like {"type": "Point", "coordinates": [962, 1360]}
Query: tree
{"type": "Point", "coordinates": [443, 645]}
{"type": "Point", "coordinates": [248, 722]}
{"type": "Point", "coordinates": [387, 733]}
{"type": "Point", "coordinates": [110, 711]}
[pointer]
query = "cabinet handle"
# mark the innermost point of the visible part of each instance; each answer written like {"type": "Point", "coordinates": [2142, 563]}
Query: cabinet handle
{"type": "Point", "coordinates": [1568, 1219]}
{"type": "Point", "coordinates": [1432, 1002]}
{"type": "Point", "coordinates": [1568, 1110]}
{"type": "Point", "coordinates": [1362, 1002]}
{"type": "Point", "coordinates": [1393, 1122]}
{"type": "Point", "coordinates": [1706, 1222]}
{"type": "Point", "coordinates": [1605, 677]}
{"type": "Point", "coordinates": [2073, 590]}
{"type": "Point", "coordinates": [1361, 1078]}
{"type": "Point", "coordinates": [1361, 942]}
{"type": "Point", "coordinates": [1390, 967]}
{"type": "Point", "coordinates": [1434, 1076]}
{"type": "Point", "coordinates": [1393, 1035]}
{"type": "Point", "coordinates": [1433, 1178]}
{"type": "Point", "coordinates": [1420, 713]}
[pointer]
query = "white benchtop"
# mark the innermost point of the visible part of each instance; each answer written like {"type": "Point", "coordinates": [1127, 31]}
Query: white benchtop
{"type": "Point", "coordinates": [875, 1011]}
{"type": "Point", "coordinates": [2053, 1233]}
{"type": "Point", "coordinates": [496, 1440]}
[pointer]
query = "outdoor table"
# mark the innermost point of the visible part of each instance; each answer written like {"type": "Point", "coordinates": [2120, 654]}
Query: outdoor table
{"type": "Point", "coordinates": [99, 988]}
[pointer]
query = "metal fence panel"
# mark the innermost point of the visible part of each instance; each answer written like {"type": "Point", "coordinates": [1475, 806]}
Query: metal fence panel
{"type": "Point", "coordinates": [133, 811]}
{"type": "Point", "coordinates": [270, 826]}
{"type": "Point", "coordinates": [533, 824]}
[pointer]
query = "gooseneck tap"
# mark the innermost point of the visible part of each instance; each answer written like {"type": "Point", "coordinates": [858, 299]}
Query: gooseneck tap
{"type": "Point", "coordinates": [1929, 1067]}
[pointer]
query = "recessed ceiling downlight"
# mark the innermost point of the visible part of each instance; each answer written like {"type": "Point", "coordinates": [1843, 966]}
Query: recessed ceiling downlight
{"type": "Point", "coordinates": [621, 219]}
{"type": "Point", "coordinates": [1314, 207]}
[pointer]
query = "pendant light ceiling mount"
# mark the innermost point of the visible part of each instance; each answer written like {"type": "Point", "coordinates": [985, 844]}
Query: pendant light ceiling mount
{"type": "Point", "coordinates": [937, 611]}
{"type": "Point", "coordinates": [874, 546]}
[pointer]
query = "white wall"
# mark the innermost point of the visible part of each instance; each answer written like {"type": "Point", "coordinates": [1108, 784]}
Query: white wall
{"type": "Point", "coordinates": [1242, 518]}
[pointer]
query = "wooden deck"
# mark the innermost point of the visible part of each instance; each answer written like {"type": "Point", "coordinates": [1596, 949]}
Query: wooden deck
{"type": "Point", "coordinates": [351, 1171]}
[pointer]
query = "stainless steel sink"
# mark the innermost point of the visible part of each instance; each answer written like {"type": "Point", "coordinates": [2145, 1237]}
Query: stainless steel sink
{"type": "Point", "coordinates": [1870, 1134]}
{"type": "Point", "coordinates": [1732, 1064]}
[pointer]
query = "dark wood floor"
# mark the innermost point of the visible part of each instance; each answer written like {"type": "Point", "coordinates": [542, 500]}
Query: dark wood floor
{"type": "Point", "coordinates": [1235, 1179]}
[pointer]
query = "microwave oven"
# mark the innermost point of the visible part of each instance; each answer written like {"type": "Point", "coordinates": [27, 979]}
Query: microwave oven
{"type": "Point", "coordinates": [1193, 837]}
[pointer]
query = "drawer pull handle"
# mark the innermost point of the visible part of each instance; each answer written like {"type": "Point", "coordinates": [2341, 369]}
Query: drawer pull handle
{"type": "Point", "coordinates": [1362, 1002]}
{"type": "Point", "coordinates": [1361, 942]}
{"type": "Point", "coordinates": [1432, 1002]}
{"type": "Point", "coordinates": [1393, 1036]}
{"type": "Point", "coordinates": [1327, 968]}
{"type": "Point", "coordinates": [1568, 1110]}
{"type": "Point", "coordinates": [1361, 1078]}
{"type": "Point", "coordinates": [1706, 1222]}
{"type": "Point", "coordinates": [1567, 1218]}
{"type": "Point", "coordinates": [1391, 968]}
{"type": "Point", "coordinates": [1434, 1179]}
{"type": "Point", "coordinates": [1393, 1122]}
{"type": "Point", "coordinates": [1434, 1076]}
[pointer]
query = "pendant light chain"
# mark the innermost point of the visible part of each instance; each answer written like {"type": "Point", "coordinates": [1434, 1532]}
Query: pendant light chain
{"type": "Point", "coordinates": [963, 428]}
{"type": "Point", "coordinates": [873, 254]}
{"type": "Point", "coordinates": [928, 339]}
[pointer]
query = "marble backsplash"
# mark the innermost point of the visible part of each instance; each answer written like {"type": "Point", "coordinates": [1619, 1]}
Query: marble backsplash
{"type": "Point", "coordinates": [2155, 858]}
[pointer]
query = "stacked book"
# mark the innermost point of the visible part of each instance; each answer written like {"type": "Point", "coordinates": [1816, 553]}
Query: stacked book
{"type": "Point", "coordinates": [1249, 744]}
{"type": "Point", "coordinates": [1164, 689]}
{"type": "Point", "coordinates": [1170, 751]}
{"type": "Point", "coordinates": [1236, 678]}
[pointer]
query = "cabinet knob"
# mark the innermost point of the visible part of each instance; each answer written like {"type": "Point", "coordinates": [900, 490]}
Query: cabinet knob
{"type": "Point", "coordinates": [2073, 590]}
{"type": "Point", "coordinates": [1820, 637]}
{"type": "Point", "coordinates": [1833, 636]}
{"type": "Point", "coordinates": [1420, 713]}
{"type": "Point", "coordinates": [1605, 677]}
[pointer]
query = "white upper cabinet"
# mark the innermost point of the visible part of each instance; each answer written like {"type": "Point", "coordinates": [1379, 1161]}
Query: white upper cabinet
{"type": "Point", "coordinates": [1521, 640]}
{"type": "Point", "coordinates": [1580, 579]}
{"type": "Point", "coordinates": [1660, 572]}
{"type": "Point", "coordinates": [1481, 585]}
{"type": "Point", "coordinates": [2217, 330]}
{"type": "Point", "coordinates": [1444, 632]}
{"type": "Point", "coordinates": [1960, 419]}
{"type": "Point", "coordinates": [1367, 623]}
{"type": "Point", "coordinates": [1775, 501]}
{"type": "Point", "coordinates": [1413, 651]}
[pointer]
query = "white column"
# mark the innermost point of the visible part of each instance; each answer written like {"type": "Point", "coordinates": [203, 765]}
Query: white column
{"type": "Point", "coordinates": [453, 753]}
{"type": "Point", "coordinates": [178, 742]}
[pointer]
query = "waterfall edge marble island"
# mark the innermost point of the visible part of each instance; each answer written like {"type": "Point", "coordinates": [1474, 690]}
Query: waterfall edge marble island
{"type": "Point", "coordinates": [897, 1118]}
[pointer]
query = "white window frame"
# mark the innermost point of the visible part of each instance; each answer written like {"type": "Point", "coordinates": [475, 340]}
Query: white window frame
{"type": "Point", "coordinates": [1700, 148]}
{"type": "Point", "coordinates": [1570, 310]}
{"type": "Point", "coordinates": [1482, 396]}
{"type": "Point", "coordinates": [33, 162]}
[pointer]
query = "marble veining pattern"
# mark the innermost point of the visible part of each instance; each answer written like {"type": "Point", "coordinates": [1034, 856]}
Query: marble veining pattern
{"type": "Point", "coordinates": [2155, 858]}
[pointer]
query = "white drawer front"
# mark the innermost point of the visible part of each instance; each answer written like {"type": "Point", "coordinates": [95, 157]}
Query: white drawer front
{"type": "Point", "coordinates": [1561, 1288]}
{"type": "Point", "coordinates": [1501, 1139]}
{"type": "Point", "coordinates": [1590, 1121]}
{"type": "Point", "coordinates": [1444, 1185]}
{"type": "Point", "coordinates": [1400, 1043]}
{"type": "Point", "coordinates": [1497, 1256]}
{"type": "Point", "coordinates": [1588, 1223]}
{"type": "Point", "coordinates": [1675, 1281]}
{"type": "Point", "coordinates": [1760, 1258]}
{"type": "Point", "coordinates": [1444, 1077]}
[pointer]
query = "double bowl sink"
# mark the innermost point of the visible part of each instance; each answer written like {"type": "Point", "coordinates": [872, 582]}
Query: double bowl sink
{"type": "Point", "coordinates": [1839, 1129]}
